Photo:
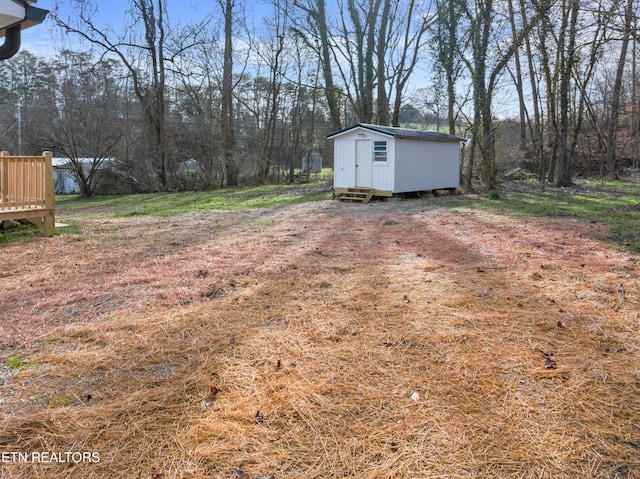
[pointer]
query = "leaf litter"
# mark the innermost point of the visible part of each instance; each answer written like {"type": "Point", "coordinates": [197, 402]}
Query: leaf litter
{"type": "Point", "coordinates": [526, 364]}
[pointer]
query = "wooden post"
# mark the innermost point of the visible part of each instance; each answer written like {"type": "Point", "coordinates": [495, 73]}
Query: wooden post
{"type": "Point", "coordinates": [49, 194]}
{"type": "Point", "coordinates": [4, 175]}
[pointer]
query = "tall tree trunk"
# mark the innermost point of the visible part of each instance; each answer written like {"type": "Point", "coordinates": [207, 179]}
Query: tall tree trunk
{"type": "Point", "coordinates": [635, 114]}
{"type": "Point", "coordinates": [316, 12]}
{"type": "Point", "coordinates": [568, 59]}
{"type": "Point", "coordinates": [362, 65]}
{"type": "Point", "coordinates": [481, 33]}
{"type": "Point", "coordinates": [381, 78]}
{"type": "Point", "coordinates": [549, 136]}
{"type": "Point", "coordinates": [155, 106]}
{"type": "Point", "coordinates": [161, 99]}
{"type": "Point", "coordinates": [412, 45]}
{"type": "Point", "coordinates": [582, 84]}
{"type": "Point", "coordinates": [612, 169]}
{"type": "Point", "coordinates": [272, 114]}
{"type": "Point", "coordinates": [535, 127]}
{"type": "Point", "coordinates": [228, 137]}
{"type": "Point", "coordinates": [326, 60]}
{"type": "Point", "coordinates": [446, 37]}
{"type": "Point", "coordinates": [143, 47]}
{"type": "Point", "coordinates": [518, 82]}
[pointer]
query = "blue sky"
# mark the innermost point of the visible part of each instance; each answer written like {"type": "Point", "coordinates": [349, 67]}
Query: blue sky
{"type": "Point", "coordinates": [42, 40]}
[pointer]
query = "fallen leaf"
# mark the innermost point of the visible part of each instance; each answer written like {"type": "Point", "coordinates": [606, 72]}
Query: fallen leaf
{"type": "Point", "coordinates": [549, 362]}
{"type": "Point", "coordinates": [213, 291]}
{"type": "Point", "coordinates": [259, 417]}
{"type": "Point", "coordinates": [215, 390]}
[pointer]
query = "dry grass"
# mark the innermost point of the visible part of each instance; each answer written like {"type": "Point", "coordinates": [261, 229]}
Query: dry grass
{"type": "Point", "coordinates": [389, 340]}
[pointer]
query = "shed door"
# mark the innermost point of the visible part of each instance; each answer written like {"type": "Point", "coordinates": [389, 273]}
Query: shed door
{"type": "Point", "coordinates": [363, 163]}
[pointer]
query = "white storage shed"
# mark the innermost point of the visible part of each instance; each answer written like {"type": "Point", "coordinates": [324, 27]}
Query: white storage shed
{"type": "Point", "coordinates": [374, 160]}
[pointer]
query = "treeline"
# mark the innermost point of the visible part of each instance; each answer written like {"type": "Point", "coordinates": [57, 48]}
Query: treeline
{"type": "Point", "coordinates": [245, 93]}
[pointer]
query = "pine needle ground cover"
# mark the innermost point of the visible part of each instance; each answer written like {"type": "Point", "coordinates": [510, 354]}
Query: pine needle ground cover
{"type": "Point", "coordinates": [320, 340]}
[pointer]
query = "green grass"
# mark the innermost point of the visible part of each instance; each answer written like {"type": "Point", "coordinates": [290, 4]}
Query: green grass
{"type": "Point", "coordinates": [14, 362]}
{"type": "Point", "coordinates": [18, 231]}
{"type": "Point", "coordinates": [616, 204]}
{"type": "Point", "coordinates": [175, 204]}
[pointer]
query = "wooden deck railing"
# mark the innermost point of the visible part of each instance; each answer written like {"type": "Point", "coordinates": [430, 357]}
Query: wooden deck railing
{"type": "Point", "coordinates": [27, 190]}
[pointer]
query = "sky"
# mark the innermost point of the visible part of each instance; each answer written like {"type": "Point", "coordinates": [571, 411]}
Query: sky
{"type": "Point", "coordinates": [42, 40]}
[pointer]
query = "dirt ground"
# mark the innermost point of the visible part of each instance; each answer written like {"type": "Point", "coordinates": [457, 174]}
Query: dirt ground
{"type": "Point", "coordinates": [397, 339]}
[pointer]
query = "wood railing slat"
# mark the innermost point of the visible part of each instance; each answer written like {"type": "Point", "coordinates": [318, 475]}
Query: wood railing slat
{"type": "Point", "coordinates": [27, 186]}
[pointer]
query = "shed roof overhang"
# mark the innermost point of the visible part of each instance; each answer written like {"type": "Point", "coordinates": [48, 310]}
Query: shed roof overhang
{"type": "Point", "coordinates": [13, 12]}
{"type": "Point", "coordinates": [15, 16]}
{"type": "Point", "coordinates": [396, 132]}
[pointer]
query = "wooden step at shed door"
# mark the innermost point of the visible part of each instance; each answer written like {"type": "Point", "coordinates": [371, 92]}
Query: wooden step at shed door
{"type": "Point", "coordinates": [355, 195]}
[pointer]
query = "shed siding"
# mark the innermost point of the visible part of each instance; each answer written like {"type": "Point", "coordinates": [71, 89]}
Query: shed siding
{"type": "Point", "coordinates": [383, 172]}
{"type": "Point", "coordinates": [344, 169]}
{"type": "Point", "coordinates": [412, 164]}
{"type": "Point", "coordinates": [426, 165]}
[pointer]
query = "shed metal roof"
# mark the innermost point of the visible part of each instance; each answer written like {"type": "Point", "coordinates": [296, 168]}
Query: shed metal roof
{"type": "Point", "coordinates": [400, 132]}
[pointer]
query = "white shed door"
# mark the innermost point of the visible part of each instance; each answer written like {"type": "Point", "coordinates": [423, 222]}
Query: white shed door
{"type": "Point", "coordinates": [363, 163]}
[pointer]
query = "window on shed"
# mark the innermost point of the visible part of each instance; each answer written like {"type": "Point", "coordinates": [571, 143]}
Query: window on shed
{"type": "Point", "coordinates": [380, 151]}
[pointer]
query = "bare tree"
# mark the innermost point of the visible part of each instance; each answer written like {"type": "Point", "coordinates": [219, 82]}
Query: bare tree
{"type": "Point", "coordinates": [635, 114]}
{"type": "Point", "coordinates": [381, 77]}
{"type": "Point", "coordinates": [401, 52]}
{"type": "Point", "coordinates": [627, 27]}
{"type": "Point", "coordinates": [359, 50]}
{"type": "Point", "coordinates": [536, 128]}
{"type": "Point", "coordinates": [488, 62]}
{"type": "Point", "coordinates": [568, 57]}
{"type": "Point", "coordinates": [448, 59]}
{"type": "Point", "coordinates": [143, 49]}
{"type": "Point", "coordinates": [199, 103]}
{"type": "Point", "coordinates": [86, 129]}
{"type": "Point", "coordinates": [27, 93]}
{"type": "Point", "coordinates": [518, 77]}
{"type": "Point", "coordinates": [313, 28]}
{"type": "Point", "coordinates": [228, 138]}
{"type": "Point", "coordinates": [273, 57]}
